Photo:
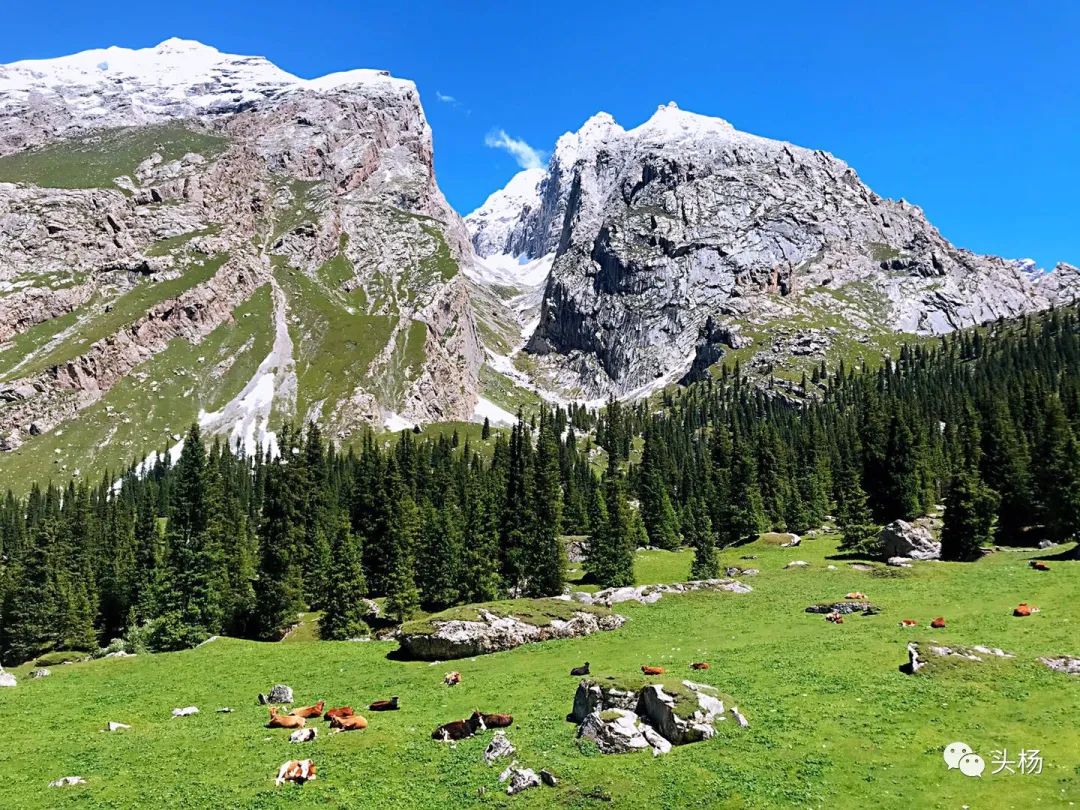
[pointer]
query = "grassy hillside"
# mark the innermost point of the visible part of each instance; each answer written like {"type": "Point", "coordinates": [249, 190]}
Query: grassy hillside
{"type": "Point", "coordinates": [94, 161]}
{"type": "Point", "coordinates": [832, 721]}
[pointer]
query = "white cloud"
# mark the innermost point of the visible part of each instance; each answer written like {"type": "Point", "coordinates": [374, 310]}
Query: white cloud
{"type": "Point", "coordinates": [443, 97]}
{"type": "Point", "coordinates": [525, 155]}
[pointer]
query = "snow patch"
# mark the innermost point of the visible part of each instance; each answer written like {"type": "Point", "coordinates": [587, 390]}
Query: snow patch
{"type": "Point", "coordinates": [486, 409]}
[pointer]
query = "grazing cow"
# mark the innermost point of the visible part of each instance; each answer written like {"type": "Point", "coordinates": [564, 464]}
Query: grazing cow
{"type": "Point", "coordinates": [302, 735]}
{"type": "Point", "coordinates": [577, 672]}
{"type": "Point", "coordinates": [284, 720]}
{"type": "Point", "coordinates": [699, 665]}
{"type": "Point", "coordinates": [856, 595]}
{"type": "Point", "coordinates": [452, 678]}
{"type": "Point", "coordinates": [390, 705]}
{"type": "Point", "coordinates": [938, 623]}
{"type": "Point", "coordinates": [340, 711]}
{"type": "Point", "coordinates": [652, 670]}
{"type": "Point", "coordinates": [1024, 609]}
{"type": "Point", "coordinates": [354, 722]}
{"type": "Point", "coordinates": [492, 720]}
{"type": "Point", "coordinates": [458, 729]}
{"type": "Point", "coordinates": [1039, 565]}
{"type": "Point", "coordinates": [296, 770]}
{"type": "Point", "coordinates": [309, 711]}
{"type": "Point", "coordinates": [909, 623]}
{"type": "Point", "coordinates": [835, 617]}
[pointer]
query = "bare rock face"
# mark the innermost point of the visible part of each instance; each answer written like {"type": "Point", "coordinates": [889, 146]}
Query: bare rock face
{"type": "Point", "coordinates": [913, 540]}
{"type": "Point", "coordinates": [615, 731]}
{"type": "Point", "coordinates": [494, 633]}
{"type": "Point", "coordinates": [681, 727]}
{"type": "Point", "coordinates": [237, 161]}
{"type": "Point", "coordinates": [668, 238]}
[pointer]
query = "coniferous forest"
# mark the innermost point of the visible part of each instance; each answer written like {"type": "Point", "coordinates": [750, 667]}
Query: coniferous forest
{"type": "Point", "coordinates": [984, 421]}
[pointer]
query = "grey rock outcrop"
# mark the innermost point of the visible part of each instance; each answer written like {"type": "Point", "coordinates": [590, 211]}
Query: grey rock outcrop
{"type": "Point", "coordinates": [494, 633]}
{"type": "Point", "coordinates": [499, 748]}
{"type": "Point", "coordinates": [850, 606]}
{"type": "Point", "coordinates": [648, 594]}
{"type": "Point", "coordinates": [680, 727]}
{"type": "Point", "coordinates": [914, 540]}
{"type": "Point", "coordinates": [1067, 664]}
{"type": "Point", "coordinates": [7, 679]}
{"type": "Point", "coordinates": [280, 693]}
{"type": "Point", "coordinates": [519, 779]}
{"type": "Point", "coordinates": [40, 672]}
{"type": "Point", "coordinates": [615, 731]}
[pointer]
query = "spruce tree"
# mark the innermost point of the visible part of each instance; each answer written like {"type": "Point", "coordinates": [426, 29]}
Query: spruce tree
{"type": "Point", "coordinates": [609, 561]}
{"type": "Point", "coordinates": [544, 555]}
{"type": "Point", "coordinates": [698, 532]}
{"type": "Point", "coordinates": [969, 515]}
{"type": "Point", "coordinates": [343, 616]}
{"type": "Point", "coordinates": [402, 595]}
{"type": "Point", "coordinates": [657, 512]}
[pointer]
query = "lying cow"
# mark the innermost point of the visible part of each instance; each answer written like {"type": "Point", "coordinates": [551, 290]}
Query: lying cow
{"type": "Point", "coordinates": [303, 735]}
{"type": "Point", "coordinates": [458, 729]}
{"type": "Point", "coordinates": [577, 672]}
{"type": "Point", "coordinates": [296, 770]}
{"type": "Point", "coordinates": [452, 678]}
{"type": "Point", "coordinates": [652, 670]}
{"type": "Point", "coordinates": [340, 711]}
{"type": "Point", "coordinates": [284, 720]}
{"type": "Point", "coordinates": [351, 723]}
{"type": "Point", "coordinates": [1039, 565]}
{"type": "Point", "coordinates": [908, 623]}
{"type": "Point", "coordinates": [492, 720]}
{"type": "Point", "coordinates": [938, 623]}
{"type": "Point", "coordinates": [309, 711]}
{"type": "Point", "coordinates": [390, 705]}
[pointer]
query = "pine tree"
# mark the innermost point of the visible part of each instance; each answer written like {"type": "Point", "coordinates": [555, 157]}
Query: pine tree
{"type": "Point", "coordinates": [343, 616]}
{"type": "Point", "coordinates": [610, 558]}
{"type": "Point", "coordinates": [968, 520]}
{"type": "Point", "coordinates": [657, 512]}
{"type": "Point", "coordinates": [544, 555]}
{"type": "Point", "coordinates": [402, 595]}
{"type": "Point", "coordinates": [698, 531]}
{"type": "Point", "coordinates": [853, 513]}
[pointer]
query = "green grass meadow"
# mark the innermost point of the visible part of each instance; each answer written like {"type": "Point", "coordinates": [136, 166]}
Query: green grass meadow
{"type": "Point", "coordinates": [833, 722]}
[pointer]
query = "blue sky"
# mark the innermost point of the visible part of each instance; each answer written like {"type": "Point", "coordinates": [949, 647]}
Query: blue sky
{"type": "Point", "coordinates": [971, 110]}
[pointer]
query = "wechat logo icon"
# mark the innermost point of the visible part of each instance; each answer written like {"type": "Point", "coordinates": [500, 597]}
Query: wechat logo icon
{"type": "Point", "coordinates": [959, 755]}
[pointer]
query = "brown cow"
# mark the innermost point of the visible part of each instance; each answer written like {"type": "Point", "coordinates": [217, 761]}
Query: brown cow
{"type": "Point", "coordinates": [835, 617]}
{"type": "Point", "coordinates": [938, 623]}
{"type": "Point", "coordinates": [856, 595]}
{"type": "Point", "coordinates": [1024, 609]}
{"type": "Point", "coordinates": [309, 711]}
{"type": "Point", "coordinates": [284, 720]}
{"type": "Point", "coordinates": [452, 678]}
{"type": "Point", "coordinates": [353, 722]}
{"type": "Point", "coordinates": [390, 705]}
{"type": "Point", "coordinates": [1039, 565]}
{"type": "Point", "coordinates": [492, 720]}
{"type": "Point", "coordinates": [296, 770]}
{"type": "Point", "coordinates": [908, 623]}
{"type": "Point", "coordinates": [652, 670]}
{"type": "Point", "coordinates": [699, 665]}
{"type": "Point", "coordinates": [458, 729]}
{"type": "Point", "coordinates": [340, 711]}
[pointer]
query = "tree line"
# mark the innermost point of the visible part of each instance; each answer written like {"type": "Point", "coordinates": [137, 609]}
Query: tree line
{"type": "Point", "coordinates": [221, 542]}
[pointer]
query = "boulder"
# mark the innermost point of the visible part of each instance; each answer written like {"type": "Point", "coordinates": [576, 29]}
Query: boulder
{"type": "Point", "coordinates": [1046, 544]}
{"type": "Point", "coordinates": [6, 678]}
{"type": "Point", "coordinates": [918, 656]}
{"type": "Point", "coordinates": [1067, 664]}
{"type": "Point", "coordinates": [64, 781]}
{"type": "Point", "coordinates": [898, 562]}
{"type": "Point", "coordinates": [682, 718]}
{"type": "Point", "coordinates": [648, 594]}
{"type": "Point", "coordinates": [594, 696]}
{"type": "Point", "coordinates": [119, 654]}
{"type": "Point", "coordinates": [797, 564]}
{"type": "Point", "coordinates": [498, 748]}
{"type": "Point", "coordinates": [40, 672]}
{"type": "Point", "coordinates": [186, 711]}
{"type": "Point", "coordinates": [615, 731]}
{"type": "Point", "coordinates": [112, 725]}
{"type": "Point", "coordinates": [914, 540]}
{"type": "Point", "coordinates": [279, 694]}
{"type": "Point", "coordinates": [456, 638]}
{"type": "Point", "coordinates": [519, 778]}
{"type": "Point", "coordinates": [576, 550]}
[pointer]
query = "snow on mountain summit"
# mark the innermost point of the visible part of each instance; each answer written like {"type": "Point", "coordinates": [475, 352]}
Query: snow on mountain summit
{"type": "Point", "coordinates": [115, 86]}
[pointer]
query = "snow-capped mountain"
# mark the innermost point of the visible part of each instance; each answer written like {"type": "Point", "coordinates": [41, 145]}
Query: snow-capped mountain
{"type": "Point", "coordinates": [199, 235]}
{"type": "Point", "coordinates": [684, 238]}
{"type": "Point", "coordinates": [114, 87]}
